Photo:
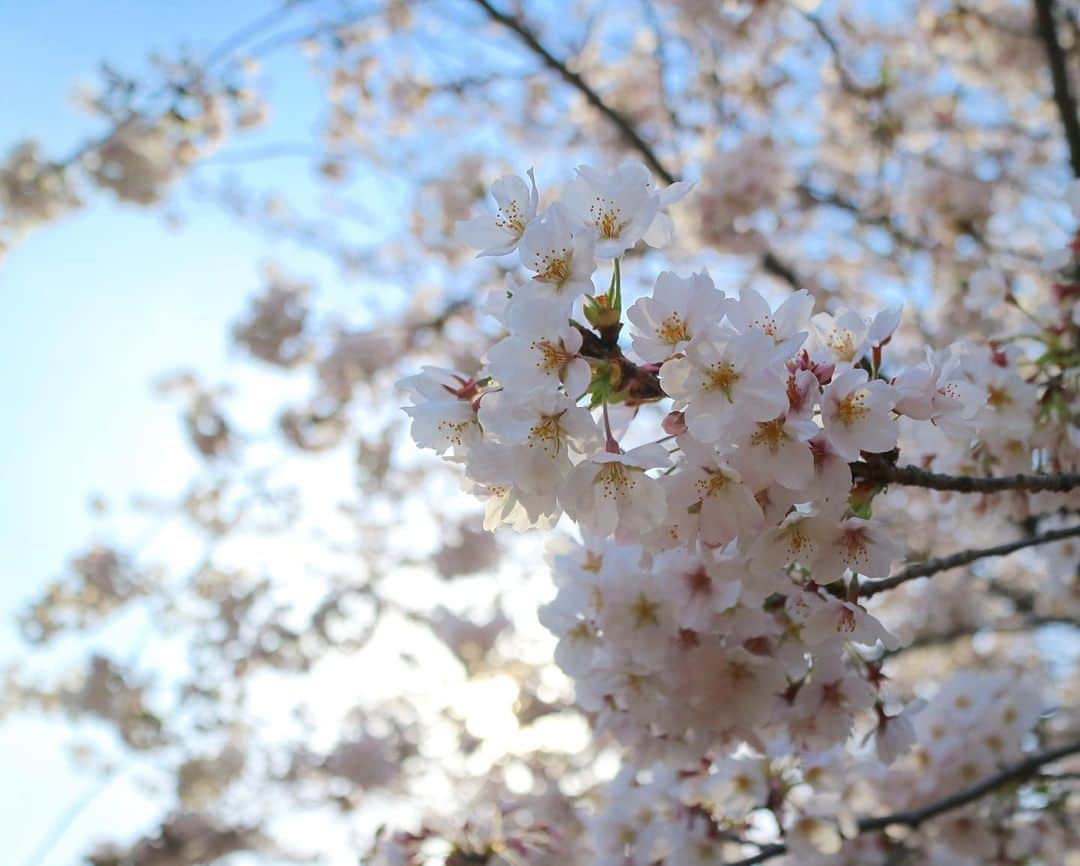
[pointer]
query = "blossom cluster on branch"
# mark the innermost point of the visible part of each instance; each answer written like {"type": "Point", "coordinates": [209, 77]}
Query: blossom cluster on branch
{"type": "Point", "coordinates": [712, 606]}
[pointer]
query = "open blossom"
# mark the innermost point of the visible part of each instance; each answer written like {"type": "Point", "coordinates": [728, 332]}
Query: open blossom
{"type": "Point", "coordinates": [857, 414]}
{"type": "Point", "coordinates": [737, 784]}
{"type": "Point", "coordinates": [778, 451]}
{"type": "Point", "coordinates": [678, 308]}
{"type": "Point", "coordinates": [726, 507]}
{"type": "Point", "coordinates": [621, 207]}
{"type": "Point", "coordinates": [544, 426]}
{"type": "Point", "coordinates": [443, 414]}
{"type": "Point", "coordinates": [785, 326]}
{"type": "Point", "coordinates": [860, 545]}
{"type": "Point", "coordinates": [838, 620]}
{"type": "Point", "coordinates": [895, 735]}
{"type": "Point", "coordinates": [727, 381]}
{"type": "Point", "coordinates": [934, 390]}
{"type": "Point", "coordinates": [800, 538]}
{"type": "Point", "coordinates": [560, 255]}
{"type": "Point", "coordinates": [496, 476]}
{"type": "Point", "coordinates": [541, 351]}
{"type": "Point", "coordinates": [611, 493]}
{"type": "Point", "coordinates": [499, 234]}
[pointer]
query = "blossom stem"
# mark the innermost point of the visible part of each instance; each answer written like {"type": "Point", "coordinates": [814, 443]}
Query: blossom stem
{"type": "Point", "coordinates": [964, 557]}
{"type": "Point", "coordinates": [611, 445]}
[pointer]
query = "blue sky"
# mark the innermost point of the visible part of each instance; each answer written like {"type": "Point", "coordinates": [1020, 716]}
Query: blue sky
{"type": "Point", "coordinates": [94, 306]}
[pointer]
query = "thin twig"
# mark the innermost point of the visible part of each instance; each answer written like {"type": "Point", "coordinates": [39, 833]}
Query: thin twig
{"type": "Point", "coordinates": [1059, 77]}
{"type": "Point", "coordinates": [67, 819]}
{"type": "Point", "coordinates": [770, 262]}
{"type": "Point", "coordinates": [913, 476]}
{"type": "Point", "coordinates": [617, 119]}
{"type": "Point", "coordinates": [964, 557]}
{"type": "Point", "coordinates": [919, 815]}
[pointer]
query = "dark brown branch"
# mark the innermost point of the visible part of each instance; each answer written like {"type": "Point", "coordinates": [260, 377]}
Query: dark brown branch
{"type": "Point", "coordinates": [625, 127]}
{"type": "Point", "coordinates": [846, 78]}
{"type": "Point", "coordinates": [915, 817]}
{"type": "Point", "coordinates": [1016, 773]}
{"type": "Point", "coordinates": [835, 200]}
{"type": "Point", "coordinates": [913, 476]}
{"type": "Point", "coordinates": [770, 262]}
{"type": "Point", "coordinates": [1059, 77]}
{"type": "Point", "coordinates": [964, 557]}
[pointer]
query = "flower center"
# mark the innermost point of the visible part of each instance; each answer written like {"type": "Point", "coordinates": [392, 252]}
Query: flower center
{"type": "Point", "coordinates": [771, 434]}
{"type": "Point", "coordinates": [853, 548]}
{"type": "Point", "coordinates": [645, 611]}
{"type": "Point", "coordinates": [607, 218]}
{"type": "Point", "coordinates": [547, 433]}
{"type": "Point", "coordinates": [998, 397]}
{"type": "Point", "coordinates": [615, 482]}
{"type": "Point", "coordinates": [454, 431]}
{"type": "Point", "coordinates": [851, 408]}
{"type": "Point", "coordinates": [553, 267]}
{"type": "Point", "coordinates": [509, 219]}
{"type": "Point", "coordinates": [553, 358]}
{"type": "Point", "coordinates": [722, 376]}
{"type": "Point", "coordinates": [714, 484]}
{"type": "Point", "coordinates": [843, 343]}
{"type": "Point", "coordinates": [673, 330]}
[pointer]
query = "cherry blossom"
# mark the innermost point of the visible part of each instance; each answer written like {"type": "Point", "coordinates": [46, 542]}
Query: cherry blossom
{"type": "Point", "coordinates": [500, 234]}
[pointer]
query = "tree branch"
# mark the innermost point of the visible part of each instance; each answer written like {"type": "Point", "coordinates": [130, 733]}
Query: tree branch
{"type": "Point", "coordinates": [964, 557]}
{"type": "Point", "coordinates": [771, 263]}
{"type": "Point", "coordinates": [620, 122]}
{"type": "Point", "coordinates": [1059, 77]}
{"type": "Point", "coordinates": [919, 815]}
{"type": "Point", "coordinates": [940, 639]}
{"type": "Point", "coordinates": [913, 476]}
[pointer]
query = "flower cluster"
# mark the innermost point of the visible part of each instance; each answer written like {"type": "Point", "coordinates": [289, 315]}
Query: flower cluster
{"type": "Point", "coordinates": [713, 603]}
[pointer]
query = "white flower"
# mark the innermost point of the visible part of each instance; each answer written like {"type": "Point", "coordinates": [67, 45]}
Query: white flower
{"type": "Point", "coordinates": [700, 588]}
{"type": "Point", "coordinates": [857, 414]}
{"type": "Point", "coordinates": [543, 425]}
{"type": "Point", "coordinates": [894, 735]}
{"type": "Point", "coordinates": [443, 413]}
{"type": "Point", "coordinates": [679, 308]}
{"type": "Point", "coordinates": [934, 389]}
{"type": "Point", "coordinates": [838, 620]}
{"type": "Point", "coordinates": [726, 506]}
{"type": "Point", "coordinates": [860, 545]}
{"type": "Point", "coordinates": [611, 492]}
{"type": "Point", "coordinates": [541, 351]}
{"type": "Point", "coordinates": [562, 259]}
{"type": "Point", "coordinates": [727, 381]}
{"type": "Point", "coordinates": [809, 835]}
{"type": "Point", "coordinates": [619, 207]}
{"type": "Point", "coordinates": [778, 451]}
{"type": "Point", "coordinates": [638, 615]}
{"type": "Point", "coordinates": [832, 477]}
{"type": "Point", "coordinates": [842, 339]}
{"type": "Point", "coordinates": [499, 234]}
{"type": "Point", "coordinates": [737, 786]}
{"type": "Point", "coordinates": [492, 473]}
{"type": "Point", "coordinates": [786, 327]}
{"type": "Point", "coordinates": [801, 538]}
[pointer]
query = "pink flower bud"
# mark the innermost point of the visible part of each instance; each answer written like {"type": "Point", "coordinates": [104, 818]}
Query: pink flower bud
{"type": "Point", "coordinates": [674, 423]}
